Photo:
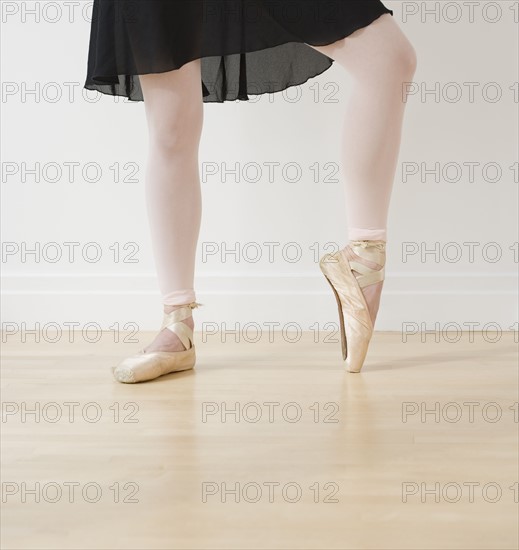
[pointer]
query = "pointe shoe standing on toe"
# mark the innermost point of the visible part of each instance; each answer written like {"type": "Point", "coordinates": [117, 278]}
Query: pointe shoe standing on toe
{"type": "Point", "coordinates": [145, 366]}
{"type": "Point", "coordinates": [356, 324]}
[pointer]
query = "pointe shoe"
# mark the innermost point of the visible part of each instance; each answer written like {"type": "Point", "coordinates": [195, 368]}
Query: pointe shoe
{"type": "Point", "coordinates": [357, 331]}
{"type": "Point", "coordinates": [148, 366]}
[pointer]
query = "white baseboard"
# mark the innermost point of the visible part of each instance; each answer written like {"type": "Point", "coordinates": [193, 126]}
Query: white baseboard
{"type": "Point", "coordinates": [303, 299]}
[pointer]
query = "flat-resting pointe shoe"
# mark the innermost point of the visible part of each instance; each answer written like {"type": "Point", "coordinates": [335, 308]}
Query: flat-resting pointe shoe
{"type": "Point", "coordinates": [356, 333]}
{"type": "Point", "coordinates": [148, 366]}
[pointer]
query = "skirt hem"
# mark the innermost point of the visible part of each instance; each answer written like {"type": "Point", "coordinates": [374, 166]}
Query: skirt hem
{"type": "Point", "coordinates": [124, 85]}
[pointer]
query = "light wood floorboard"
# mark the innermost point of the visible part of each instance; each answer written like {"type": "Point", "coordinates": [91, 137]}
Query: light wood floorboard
{"type": "Point", "coordinates": [170, 451]}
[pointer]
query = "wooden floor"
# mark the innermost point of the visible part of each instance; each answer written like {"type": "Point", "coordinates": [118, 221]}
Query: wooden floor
{"type": "Point", "coordinates": [410, 454]}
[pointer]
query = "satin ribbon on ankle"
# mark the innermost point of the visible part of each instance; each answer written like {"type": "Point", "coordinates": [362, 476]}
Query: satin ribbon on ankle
{"type": "Point", "coordinates": [369, 244]}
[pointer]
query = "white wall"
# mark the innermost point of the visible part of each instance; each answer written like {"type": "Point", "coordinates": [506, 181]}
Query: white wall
{"type": "Point", "coordinates": [111, 132]}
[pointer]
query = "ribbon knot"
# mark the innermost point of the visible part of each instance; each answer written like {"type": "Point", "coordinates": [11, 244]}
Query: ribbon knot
{"type": "Point", "coordinates": [379, 245]}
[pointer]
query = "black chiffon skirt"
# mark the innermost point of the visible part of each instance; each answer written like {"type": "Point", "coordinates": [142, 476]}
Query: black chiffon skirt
{"type": "Point", "coordinates": [245, 46]}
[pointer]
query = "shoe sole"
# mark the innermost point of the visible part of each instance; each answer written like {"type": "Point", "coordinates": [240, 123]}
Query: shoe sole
{"type": "Point", "coordinates": [344, 343]}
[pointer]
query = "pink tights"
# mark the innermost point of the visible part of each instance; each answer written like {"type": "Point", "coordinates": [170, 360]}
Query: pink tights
{"type": "Point", "coordinates": [379, 59]}
{"type": "Point", "coordinates": [174, 111]}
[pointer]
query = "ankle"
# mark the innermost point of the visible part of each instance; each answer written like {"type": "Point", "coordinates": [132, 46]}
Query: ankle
{"type": "Point", "coordinates": [367, 249]}
{"type": "Point", "coordinates": [187, 320]}
{"type": "Point", "coordinates": [368, 243]}
{"type": "Point", "coordinates": [371, 254]}
{"type": "Point", "coordinates": [169, 308]}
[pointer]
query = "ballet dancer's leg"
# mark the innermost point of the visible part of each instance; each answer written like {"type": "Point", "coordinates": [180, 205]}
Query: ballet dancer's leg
{"type": "Point", "coordinates": [379, 59]}
{"type": "Point", "coordinates": [174, 112]}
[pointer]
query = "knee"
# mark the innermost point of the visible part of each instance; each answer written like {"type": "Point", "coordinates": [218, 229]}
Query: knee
{"type": "Point", "coordinates": [406, 60]}
{"type": "Point", "coordinates": [177, 132]}
{"type": "Point", "coordinates": [395, 62]}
